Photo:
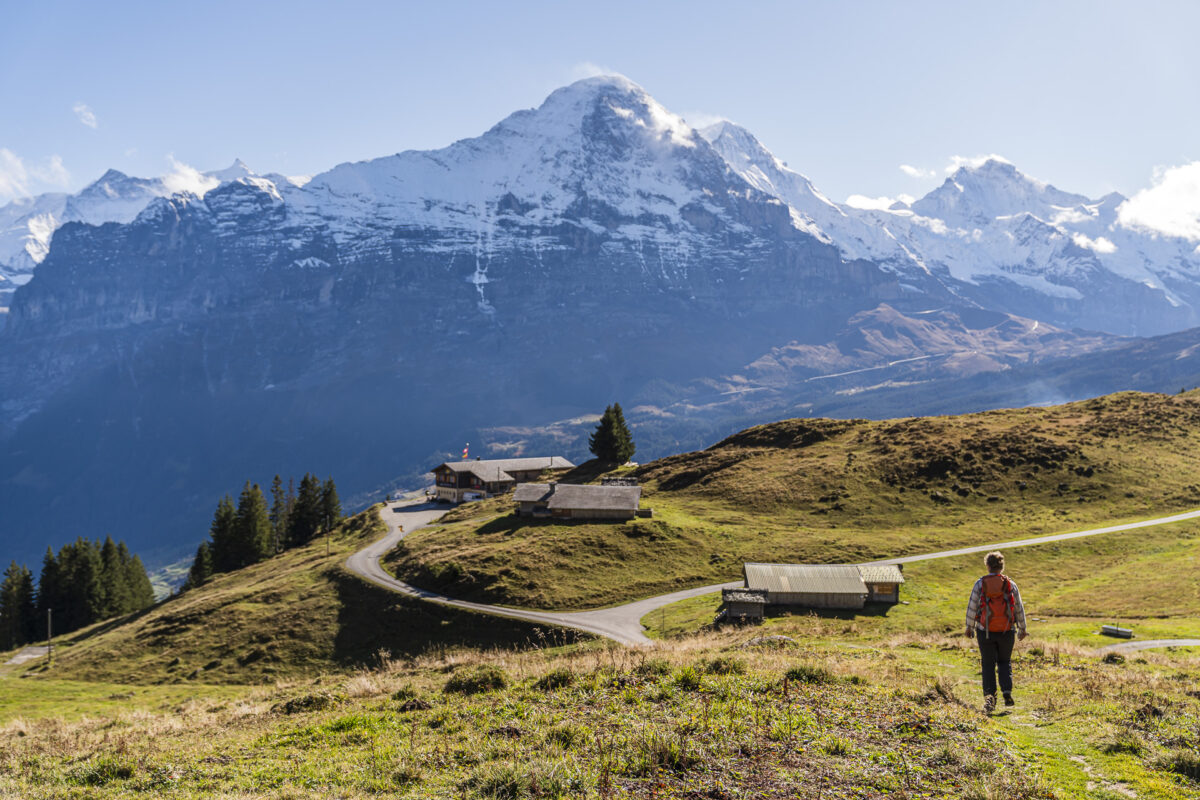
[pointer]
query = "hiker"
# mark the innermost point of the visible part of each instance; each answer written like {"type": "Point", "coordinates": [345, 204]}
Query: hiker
{"type": "Point", "coordinates": [997, 619]}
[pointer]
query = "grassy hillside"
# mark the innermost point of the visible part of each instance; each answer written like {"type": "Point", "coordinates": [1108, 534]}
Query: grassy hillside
{"type": "Point", "coordinates": [830, 491]}
{"type": "Point", "coordinates": [296, 614]}
{"type": "Point", "coordinates": [703, 717]}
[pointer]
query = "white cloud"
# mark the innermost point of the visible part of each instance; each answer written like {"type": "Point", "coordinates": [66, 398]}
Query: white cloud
{"type": "Point", "coordinates": [20, 179]}
{"type": "Point", "coordinates": [1099, 244]}
{"type": "Point", "coordinates": [973, 161]}
{"type": "Point", "coordinates": [870, 203]}
{"type": "Point", "coordinates": [917, 172]}
{"type": "Point", "coordinates": [1171, 206]}
{"type": "Point", "coordinates": [86, 115]}
{"type": "Point", "coordinates": [702, 119]}
{"type": "Point", "coordinates": [589, 69]}
{"type": "Point", "coordinates": [185, 178]}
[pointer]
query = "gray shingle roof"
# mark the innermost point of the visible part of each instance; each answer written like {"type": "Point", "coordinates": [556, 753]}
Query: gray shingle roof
{"type": "Point", "coordinates": [496, 470]}
{"type": "Point", "coordinates": [808, 578]}
{"type": "Point", "coordinates": [881, 573]}
{"type": "Point", "coordinates": [579, 497]}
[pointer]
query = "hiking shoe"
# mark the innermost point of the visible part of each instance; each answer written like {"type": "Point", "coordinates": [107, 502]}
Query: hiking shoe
{"type": "Point", "coordinates": [1008, 701]}
{"type": "Point", "coordinates": [989, 704]}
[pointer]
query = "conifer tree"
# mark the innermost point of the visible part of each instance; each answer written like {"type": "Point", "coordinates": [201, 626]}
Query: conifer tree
{"type": "Point", "coordinates": [202, 567]}
{"type": "Point", "coordinates": [252, 526]}
{"type": "Point", "coordinates": [224, 548]}
{"type": "Point", "coordinates": [17, 611]}
{"type": "Point", "coordinates": [114, 581]}
{"type": "Point", "coordinates": [612, 443]}
{"type": "Point", "coordinates": [279, 513]}
{"type": "Point", "coordinates": [82, 588]}
{"type": "Point", "coordinates": [141, 591]}
{"type": "Point", "coordinates": [331, 506]}
{"type": "Point", "coordinates": [49, 593]}
{"type": "Point", "coordinates": [305, 519]}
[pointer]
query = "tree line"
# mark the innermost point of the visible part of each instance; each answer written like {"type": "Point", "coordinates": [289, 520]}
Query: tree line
{"type": "Point", "coordinates": [85, 582]}
{"type": "Point", "coordinates": [252, 531]}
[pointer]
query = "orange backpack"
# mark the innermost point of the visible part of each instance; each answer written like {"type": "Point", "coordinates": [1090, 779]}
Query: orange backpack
{"type": "Point", "coordinates": [997, 610]}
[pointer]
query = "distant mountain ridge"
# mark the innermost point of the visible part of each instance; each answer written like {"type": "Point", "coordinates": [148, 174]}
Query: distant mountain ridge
{"type": "Point", "coordinates": [368, 322]}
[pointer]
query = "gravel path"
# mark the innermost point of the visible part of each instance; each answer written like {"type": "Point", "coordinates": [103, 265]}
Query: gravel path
{"type": "Point", "coordinates": [623, 623]}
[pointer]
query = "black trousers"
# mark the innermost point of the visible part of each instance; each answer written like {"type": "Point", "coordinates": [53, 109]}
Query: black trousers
{"type": "Point", "coordinates": [995, 654]}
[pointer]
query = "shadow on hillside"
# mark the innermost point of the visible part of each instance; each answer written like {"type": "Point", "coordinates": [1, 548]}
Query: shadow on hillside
{"type": "Point", "coordinates": [83, 634]}
{"type": "Point", "coordinates": [374, 621]}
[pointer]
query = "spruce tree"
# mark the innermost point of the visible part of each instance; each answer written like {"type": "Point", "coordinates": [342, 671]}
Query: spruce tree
{"type": "Point", "coordinates": [114, 580]}
{"type": "Point", "coordinates": [82, 588]}
{"type": "Point", "coordinates": [17, 612]}
{"type": "Point", "coordinates": [224, 548]}
{"type": "Point", "coordinates": [202, 568]}
{"type": "Point", "coordinates": [49, 593]}
{"type": "Point", "coordinates": [141, 591]}
{"type": "Point", "coordinates": [331, 506]}
{"type": "Point", "coordinates": [252, 526]}
{"type": "Point", "coordinates": [279, 512]}
{"type": "Point", "coordinates": [612, 443]}
{"type": "Point", "coordinates": [305, 519]}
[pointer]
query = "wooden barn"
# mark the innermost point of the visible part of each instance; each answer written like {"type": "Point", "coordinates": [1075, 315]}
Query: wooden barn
{"type": "Point", "coordinates": [883, 582]}
{"type": "Point", "coordinates": [742, 605]}
{"type": "Point", "coordinates": [575, 501]}
{"type": "Point", "coordinates": [809, 585]}
{"type": "Point", "coordinates": [456, 481]}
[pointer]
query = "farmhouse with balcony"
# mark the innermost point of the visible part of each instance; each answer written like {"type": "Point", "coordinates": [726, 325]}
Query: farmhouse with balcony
{"type": "Point", "coordinates": [575, 501]}
{"type": "Point", "coordinates": [846, 586]}
{"type": "Point", "coordinates": [456, 481]}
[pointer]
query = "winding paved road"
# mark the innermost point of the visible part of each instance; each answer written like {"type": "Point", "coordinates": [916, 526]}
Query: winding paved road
{"type": "Point", "coordinates": [623, 623]}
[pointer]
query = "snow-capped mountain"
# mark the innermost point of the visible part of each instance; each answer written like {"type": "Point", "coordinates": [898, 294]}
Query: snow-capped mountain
{"type": "Point", "coordinates": [591, 249]}
{"type": "Point", "coordinates": [27, 224]}
{"type": "Point", "coordinates": [1000, 239]}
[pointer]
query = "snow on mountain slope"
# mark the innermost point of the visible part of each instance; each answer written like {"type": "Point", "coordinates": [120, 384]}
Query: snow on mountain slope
{"type": "Point", "coordinates": [27, 224]}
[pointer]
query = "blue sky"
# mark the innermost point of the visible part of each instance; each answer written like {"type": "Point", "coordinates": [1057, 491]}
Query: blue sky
{"type": "Point", "coordinates": [1090, 96]}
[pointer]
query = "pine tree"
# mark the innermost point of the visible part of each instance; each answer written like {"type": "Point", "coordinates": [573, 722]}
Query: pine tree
{"type": "Point", "coordinates": [114, 580]}
{"type": "Point", "coordinates": [305, 519]}
{"type": "Point", "coordinates": [612, 443]}
{"type": "Point", "coordinates": [252, 526]}
{"type": "Point", "coordinates": [202, 567]}
{"type": "Point", "coordinates": [224, 553]}
{"type": "Point", "coordinates": [82, 589]}
{"type": "Point", "coordinates": [17, 611]}
{"type": "Point", "coordinates": [279, 513]}
{"type": "Point", "coordinates": [331, 506]}
{"type": "Point", "coordinates": [140, 589]}
{"type": "Point", "coordinates": [49, 594]}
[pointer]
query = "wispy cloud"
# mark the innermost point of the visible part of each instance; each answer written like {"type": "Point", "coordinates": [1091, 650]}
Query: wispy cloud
{"type": "Point", "coordinates": [875, 203]}
{"type": "Point", "coordinates": [590, 69]}
{"type": "Point", "coordinates": [85, 114]}
{"type": "Point", "coordinates": [186, 178]}
{"type": "Point", "coordinates": [917, 172]}
{"type": "Point", "coordinates": [19, 178]}
{"type": "Point", "coordinates": [1170, 206]}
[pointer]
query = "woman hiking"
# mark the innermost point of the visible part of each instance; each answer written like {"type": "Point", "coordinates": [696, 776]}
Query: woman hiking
{"type": "Point", "coordinates": [997, 619]}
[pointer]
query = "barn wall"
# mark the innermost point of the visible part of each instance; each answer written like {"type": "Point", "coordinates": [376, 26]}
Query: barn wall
{"type": "Point", "coordinates": [817, 600]}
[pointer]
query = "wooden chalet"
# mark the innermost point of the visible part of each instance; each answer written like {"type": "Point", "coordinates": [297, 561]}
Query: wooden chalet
{"type": "Point", "coordinates": [845, 586]}
{"type": "Point", "coordinates": [575, 501]}
{"type": "Point", "coordinates": [457, 481]}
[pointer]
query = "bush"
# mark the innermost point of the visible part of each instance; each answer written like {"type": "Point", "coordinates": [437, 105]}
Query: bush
{"type": "Point", "coordinates": [484, 678]}
{"type": "Point", "coordinates": [654, 667]}
{"type": "Point", "coordinates": [317, 701]}
{"type": "Point", "coordinates": [809, 673]}
{"type": "Point", "coordinates": [725, 665]}
{"type": "Point", "coordinates": [104, 770]}
{"type": "Point", "coordinates": [555, 679]}
{"type": "Point", "coordinates": [688, 679]}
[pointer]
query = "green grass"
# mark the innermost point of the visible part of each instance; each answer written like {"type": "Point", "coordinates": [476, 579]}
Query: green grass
{"type": "Point", "coordinates": [300, 613]}
{"type": "Point", "coordinates": [829, 491]}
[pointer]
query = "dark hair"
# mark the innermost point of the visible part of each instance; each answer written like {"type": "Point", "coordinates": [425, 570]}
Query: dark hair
{"type": "Point", "coordinates": [995, 561]}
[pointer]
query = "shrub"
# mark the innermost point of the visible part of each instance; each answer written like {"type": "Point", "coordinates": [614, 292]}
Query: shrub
{"type": "Point", "coordinates": [317, 701]}
{"type": "Point", "coordinates": [654, 667]}
{"type": "Point", "coordinates": [725, 665]}
{"type": "Point", "coordinates": [484, 678]}
{"type": "Point", "coordinates": [104, 770]}
{"type": "Point", "coordinates": [688, 679]}
{"type": "Point", "coordinates": [809, 673]}
{"type": "Point", "coordinates": [1113, 658]}
{"type": "Point", "coordinates": [555, 679]}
